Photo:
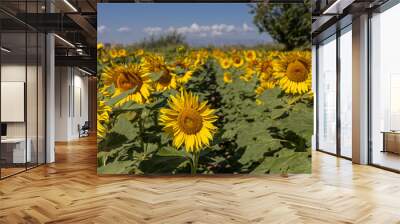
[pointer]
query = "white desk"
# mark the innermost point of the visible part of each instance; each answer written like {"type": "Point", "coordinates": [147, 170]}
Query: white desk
{"type": "Point", "coordinates": [18, 145]}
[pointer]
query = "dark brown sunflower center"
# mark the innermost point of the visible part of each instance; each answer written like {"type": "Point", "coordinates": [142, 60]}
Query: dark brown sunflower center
{"type": "Point", "coordinates": [297, 72]}
{"type": "Point", "coordinates": [265, 67]}
{"type": "Point", "coordinates": [254, 63]}
{"type": "Point", "coordinates": [250, 55]}
{"type": "Point", "coordinates": [190, 121]}
{"type": "Point", "coordinates": [165, 79]}
{"type": "Point", "coordinates": [128, 80]}
{"type": "Point", "coordinates": [237, 60]}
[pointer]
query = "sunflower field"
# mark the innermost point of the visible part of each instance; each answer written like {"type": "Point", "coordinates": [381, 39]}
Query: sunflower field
{"type": "Point", "coordinates": [204, 111]}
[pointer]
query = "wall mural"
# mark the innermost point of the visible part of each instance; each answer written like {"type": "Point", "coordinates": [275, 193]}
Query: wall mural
{"type": "Point", "coordinates": [223, 97]}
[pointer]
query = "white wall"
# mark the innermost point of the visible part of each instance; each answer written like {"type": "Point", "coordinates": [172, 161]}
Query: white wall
{"type": "Point", "coordinates": [16, 73]}
{"type": "Point", "coordinates": [33, 127]}
{"type": "Point", "coordinates": [346, 75]}
{"type": "Point", "coordinates": [314, 89]}
{"type": "Point", "coordinates": [71, 94]}
{"type": "Point", "coordinates": [385, 74]}
{"type": "Point", "coordinates": [327, 95]}
{"type": "Point", "coordinates": [13, 72]}
{"type": "Point", "coordinates": [62, 81]}
{"type": "Point", "coordinates": [80, 110]}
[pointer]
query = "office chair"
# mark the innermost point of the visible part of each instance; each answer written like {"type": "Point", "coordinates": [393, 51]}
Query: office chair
{"type": "Point", "coordinates": [84, 130]}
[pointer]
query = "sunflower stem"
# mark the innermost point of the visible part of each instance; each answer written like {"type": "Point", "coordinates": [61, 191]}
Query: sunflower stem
{"type": "Point", "coordinates": [141, 132]}
{"type": "Point", "coordinates": [195, 162]}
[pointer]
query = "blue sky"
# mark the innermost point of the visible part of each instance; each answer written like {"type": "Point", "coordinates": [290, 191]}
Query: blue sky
{"type": "Point", "coordinates": [201, 24]}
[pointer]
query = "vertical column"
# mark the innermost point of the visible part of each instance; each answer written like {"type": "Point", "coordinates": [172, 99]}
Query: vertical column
{"type": "Point", "coordinates": [360, 90]}
{"type": "Point", "coordinates": [314, 89]}
{"type": "Point", "coordinates": [0, 101]}
{"type": "Point", "coordinates": [338, 91]}
{"type": "Point", "coordinates": [50, 92]}
{"type": "Point", "coordinates": [50, 99]}
{"type": "Point", "coordinates": [92, 102]}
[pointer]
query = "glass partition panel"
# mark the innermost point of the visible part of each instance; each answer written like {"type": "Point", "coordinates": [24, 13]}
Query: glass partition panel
{"type": "Point", "coordinates": [41, 98]}
{"type": "Point", "coordinates": [327, 95]}
{"type": "Point", "coordinates": [385, 89]}
{"type": "Point", "coordinates": [31, 98]}
{"type": "Point", "coordinates": [22, 66]}
{"type": "Point", "coordinates": [14, 151]}
{"type": "Point", "coordinates": [346, 92]}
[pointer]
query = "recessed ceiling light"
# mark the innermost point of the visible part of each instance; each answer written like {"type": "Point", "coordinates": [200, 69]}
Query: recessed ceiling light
{"type": "Point", "coordinates": [86, 72]}
{"type": "Point", "coordinates": [70, 5]}
{"type": "Point", "coordinates": [5, 50]}
{"type": "Point", "coordinates": [337, 7]}
{"type": "Point", "coordinates": [64, 40]}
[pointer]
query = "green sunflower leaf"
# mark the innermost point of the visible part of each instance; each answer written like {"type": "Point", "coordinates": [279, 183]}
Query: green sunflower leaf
{"type": "Point", "coordinates": [155, 76]}
{"type": "Point", "coordinates": [121, 96]}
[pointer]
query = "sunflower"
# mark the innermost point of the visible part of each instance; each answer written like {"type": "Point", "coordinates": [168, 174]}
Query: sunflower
{"type": "Point", "coordinates": [225, 63]}
{"type": "Point", "coordinates": [248, 74]}
{"type": "Point", "coordinates": [139, 52]}
{"type": "Point", "coordinates": [237, 61]}
{"type": "Point", "coordinates": [263, 86]}
{"type": "Point", "coordinates": [202, 57]}
{"type": "Point", "coordinates": [126, 77]}
{"type": "Point", "coordinates": [103, 91]}
{"type": "Point", "coordinates": [293, 70]}
{"type": "Point", "coordinates": [100, 46]}
{"type": "Point", "coordinates": [199, 58]}
{"type": "Point", "coordinates": [153, 62]}
{"type": "Point", "coordinates": [185, 77]}
{"type": "Point", "coordinates": [181, 49]}
{"type": "Point", "coordinates": [156, 64]}
{"type": "Point", "coordinates": [103, 111]}
{"type": "Point", "coordinates": [122, 53]}
{"type": "Point", "coordinates": [113, 53]}
{"type": "Point", "coordinates": [259, 90]}
{"type": "Point", "coordinates": [259, 102]}
{"type": "Point", "coordinates": [253, 64]}
{"type": "Point", "coordinates": [183, 62]}
{"type": "Point", "coordinates": [217, 53]}
{"type": "Point", "coordinates": [101, 131]}
{"type": "Point", "coordinates": [166, 81]}
{"type": "Point", "coordinates": [250, 55]}
{"type": "Point", "coordinates": [103, 117]}
{"type": "Point", "coordinates": [264, 68]}
{"type": "Point", "coordinates": [183, 70]}
{"type": "Point", "coordinates": [189, 121]}
{"type": "Point", "coordinates": [227, 77]}
{"type": "Point", "coordinates": [268, 85]}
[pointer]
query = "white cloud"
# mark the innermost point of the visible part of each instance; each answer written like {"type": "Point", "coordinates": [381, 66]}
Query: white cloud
{"type": "Point", "coordinates": [203, 35]}
{"type": "Point", "coordinates": [222, 28]}
{"type": "Point", "coordinates": [215, 33]}
{"type": "Point", "coordinates": [205, 30]}
{"type": "Point", "coordinates": [101, 29]}
{"type": "Point", "coordinates": [247, 28]}
{"type": "Point", "coordinates": [124, 29]}
{"type": "Point", "coordinates": [201, 30]}
{"type": "Point", "coordinates": [152, 30]}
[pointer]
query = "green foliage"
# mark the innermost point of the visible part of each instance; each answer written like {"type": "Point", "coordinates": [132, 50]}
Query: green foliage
{"type": "Point", "coordinates": [163, 42]}
{"type": "Point", "coordinates": [288, 24]}
{"type": "Point", "coordinates": [274, 137]}
{"type": "Point", "coordinates": [262, 132]}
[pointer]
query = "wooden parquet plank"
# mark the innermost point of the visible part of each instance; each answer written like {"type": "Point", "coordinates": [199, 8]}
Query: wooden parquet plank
{"type": "Point", "coordinates": [69, 191]}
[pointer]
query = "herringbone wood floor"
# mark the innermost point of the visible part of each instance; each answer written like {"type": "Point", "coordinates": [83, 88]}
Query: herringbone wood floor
{"type": "Point", "coordinates": [69, 191]}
